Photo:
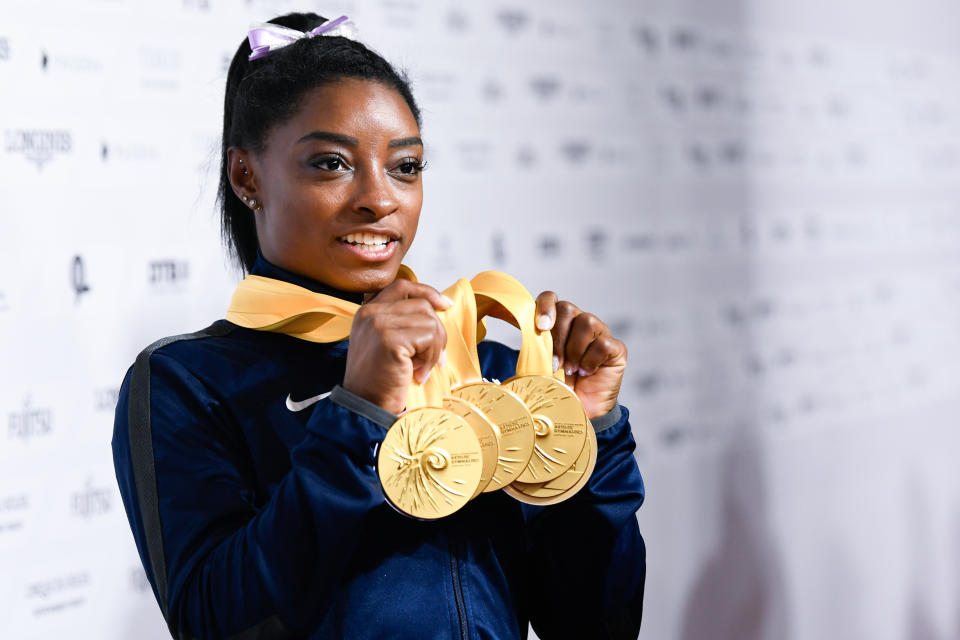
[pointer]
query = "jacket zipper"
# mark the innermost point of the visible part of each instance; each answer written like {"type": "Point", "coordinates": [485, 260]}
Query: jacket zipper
{"type": "Point", "coordinates": [458, 594]}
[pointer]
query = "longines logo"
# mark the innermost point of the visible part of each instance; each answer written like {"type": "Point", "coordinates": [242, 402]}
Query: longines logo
{"type": "Point", "coordinates": [90, 501]}
{"type": "Point", "coordinates": [29, 422]}
{"type": "Point", "coordinates": [165, 273]}
{"type": "Point", "coordinates": [59, 593]}
{"type": "Point", "coordinates": [39, 146]}
{"type": "Point", "coordinates": [4, 49]}
{"type": "Point", "coordinates": [11, 511]}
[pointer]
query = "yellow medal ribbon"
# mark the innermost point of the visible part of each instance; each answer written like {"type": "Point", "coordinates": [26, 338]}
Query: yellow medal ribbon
{"type": "Point", "coordinates": [267, 304]}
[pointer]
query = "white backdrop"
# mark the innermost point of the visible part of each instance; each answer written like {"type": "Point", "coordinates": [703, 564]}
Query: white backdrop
{"type": "Point", "coordinates": [762, 197]}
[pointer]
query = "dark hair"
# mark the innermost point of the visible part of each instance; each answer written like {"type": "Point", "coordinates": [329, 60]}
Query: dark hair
{"type": "Point", "coordinates": [268, 91]}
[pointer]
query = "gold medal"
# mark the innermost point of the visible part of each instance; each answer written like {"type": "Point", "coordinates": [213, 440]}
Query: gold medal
{"type": "Point", "coordinates": [559, 423]}
{"type": "Point", "coordinates": [514, 422]}
{"type": "Point", "coordinates": [429, 463]}
{"type": "Point", "coordinates": [488, 434]}
{"type": "Point", "coordinates": [564, 487]}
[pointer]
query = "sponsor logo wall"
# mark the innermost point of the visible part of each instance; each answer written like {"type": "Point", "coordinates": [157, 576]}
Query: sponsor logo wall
{"type": "Point", "coordinates": [762, 199]}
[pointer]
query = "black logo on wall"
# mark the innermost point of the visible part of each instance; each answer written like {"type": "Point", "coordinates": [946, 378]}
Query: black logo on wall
{"type": "Point", "coordinates": [29, 422]}
{"type": "Point", "coordinates": [165, 273]}
{"type": "Point", "coordinates": [549, 246]}
{"type": "Point", "coordinates": [39, 146]}
{"type": "Point", "coordinates": [513, 21]}
{"type": "Point", "coordinates": [105, 399]}
{"type": "Point", "coordinates": [12, 509]}
{"type": "Point", "coordinates": [4, 48]}
{"type": "Point", "coordinates": [58, 594]}
{"type": "Point", "coordinates": [597, 242]}
{"type": "Point", "coordinates": [79, 278]}
{"type": "Point", "coordinates": [90, 501]}
{"type": "Point", "coordinates": [545, 87]}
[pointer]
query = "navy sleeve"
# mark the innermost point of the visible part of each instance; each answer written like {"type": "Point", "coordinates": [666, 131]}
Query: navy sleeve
{"type": "Point", "coordinates": [589, 544]}
{"type": "Point", "coordinates": [221, 565]}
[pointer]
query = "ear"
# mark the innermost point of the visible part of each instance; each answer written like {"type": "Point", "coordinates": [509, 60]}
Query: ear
{"type": "Point", "coordinates": [243, 180]}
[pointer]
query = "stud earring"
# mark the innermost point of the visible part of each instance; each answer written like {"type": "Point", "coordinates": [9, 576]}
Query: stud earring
{"type": "Point", "coordinates": [254, 205]}
{"type": "Point", "coordinates": [244, 167]}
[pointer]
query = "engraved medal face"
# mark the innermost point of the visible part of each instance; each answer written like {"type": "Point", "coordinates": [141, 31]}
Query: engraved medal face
{"type": "Point", "coordinates": [559, 423]}
{"type": "Point", "coordinates": [568, 484]}
{"type": "Point", "coordinates": [429, 463]}
{"type": "Point", "coordinates": [515, 423]}
{"type": "Point", "coordinates": [487, 433]}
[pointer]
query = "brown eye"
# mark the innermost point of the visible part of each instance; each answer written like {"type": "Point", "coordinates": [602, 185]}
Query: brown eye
{"type": "Point", "coordinates": [411, 167]}
{"type": "Point", "coordinates": [329, 163]}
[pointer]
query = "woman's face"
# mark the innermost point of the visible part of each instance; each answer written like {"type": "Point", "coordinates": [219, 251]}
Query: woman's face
{"type": "Point", "coordinates": [340, 186]}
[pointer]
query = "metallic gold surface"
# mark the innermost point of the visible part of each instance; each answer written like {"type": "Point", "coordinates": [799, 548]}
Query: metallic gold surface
{"type": "Point", "coordinates": [564, 487]}
{"type": "Point", "coordinates": [429, 463]}
{"type": "Point", "coordinates": [559, 422]}
{"type": "Point", "coordinates": [487, 433]}
{"type": "Point", "coordinates": [506, 410]}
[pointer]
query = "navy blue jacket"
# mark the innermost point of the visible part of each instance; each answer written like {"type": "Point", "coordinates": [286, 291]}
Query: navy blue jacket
{"type": "Point", "coordinates": [256, 521]}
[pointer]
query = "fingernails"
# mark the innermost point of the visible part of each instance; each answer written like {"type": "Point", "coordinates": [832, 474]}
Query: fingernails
{"type": "Point", "coordinates": [427, 377]}
{"type": "Point", "coordinates": [544, 323]}
{"type": "Point", "coordinates": [443, 358]}
{"type": "Point", "coordinates": [583, 373]}
{"type": "Point", "coordinates": [446, 301]}
{"type": "Point", "coordinates": [570, 369]}
{"type": "Point", "coordinates": [556, 363]}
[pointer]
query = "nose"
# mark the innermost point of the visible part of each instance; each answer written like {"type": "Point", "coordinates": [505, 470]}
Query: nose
{"type": "Point", "coordinates": [374, 195]}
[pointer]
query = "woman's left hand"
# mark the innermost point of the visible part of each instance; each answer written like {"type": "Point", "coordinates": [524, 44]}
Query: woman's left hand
{"type": "Point", "coordinates": [592, 359]}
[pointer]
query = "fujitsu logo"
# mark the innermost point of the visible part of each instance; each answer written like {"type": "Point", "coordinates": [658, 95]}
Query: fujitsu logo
{"type": "Point", "coordinates": [30, 422]}
{"type": "Point", "coordinates": [39, 146]}
{"type": "Point", "coordinates": [90, 501]}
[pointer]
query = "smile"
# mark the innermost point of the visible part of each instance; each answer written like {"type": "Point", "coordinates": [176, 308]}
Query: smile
{"type": "Point", "coordinates": [369, 246]}
{"type": "Point", "coordinates": [371, 240]}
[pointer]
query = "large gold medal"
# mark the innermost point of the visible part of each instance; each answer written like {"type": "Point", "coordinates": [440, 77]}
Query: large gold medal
{"type": "Point", "coordinates": [559, 423]}
{"type": "Point", "coordinates": [515, 424]}
{"type": "Point", "coordinates": [487, 432]}
{"type": "Point", "coordinates": [430, 463]}
{"type": "Point", "coordinates": [569, 483]}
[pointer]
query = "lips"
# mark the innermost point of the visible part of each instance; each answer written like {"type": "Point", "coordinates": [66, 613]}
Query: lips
{"type": "Point", "coordinates": [369, 246]}
{"type": "Point", "coordinates": [372, 241]}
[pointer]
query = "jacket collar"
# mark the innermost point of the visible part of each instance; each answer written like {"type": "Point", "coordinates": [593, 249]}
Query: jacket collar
{"type": "Point", "coordinates": [264, 268]}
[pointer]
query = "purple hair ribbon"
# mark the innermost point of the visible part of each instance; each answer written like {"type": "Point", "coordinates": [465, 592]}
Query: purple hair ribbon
{"type": "Point", "coordinates": [266, 38]}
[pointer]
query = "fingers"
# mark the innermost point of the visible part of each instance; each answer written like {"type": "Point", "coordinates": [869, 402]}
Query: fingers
{"type": "Point", "coordinates": [410, 329]}
{"type": "Point", "coordinates": [565, 314]}
{"type": "Point", "coordinates": [583, 343]}
{"type": "Point", "coordinates": [404, 289]}
{"type": "Point", "coordinates": [546, 310]}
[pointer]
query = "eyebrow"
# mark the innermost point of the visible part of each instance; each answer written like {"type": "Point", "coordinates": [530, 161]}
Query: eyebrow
{"type": "Point", "coordinates": [348, 141]}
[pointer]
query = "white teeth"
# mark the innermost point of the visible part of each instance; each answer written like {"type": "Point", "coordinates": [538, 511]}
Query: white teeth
{"type": "Point", "coordinates": [366, 239]}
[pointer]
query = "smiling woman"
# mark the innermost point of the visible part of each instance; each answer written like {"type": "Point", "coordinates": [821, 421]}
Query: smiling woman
{"type": "Point", "coordinates": [246, 457]}
{"type": "Point", "coordinates": [337, 185]}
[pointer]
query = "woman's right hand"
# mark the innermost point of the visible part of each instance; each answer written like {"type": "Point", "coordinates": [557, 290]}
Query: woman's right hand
{"type": "Point", "coordinates": [396, 338]}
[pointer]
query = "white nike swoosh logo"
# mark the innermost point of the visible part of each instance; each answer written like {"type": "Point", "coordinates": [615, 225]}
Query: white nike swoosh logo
{"type": "Point", "coordinates": [303, 404]}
